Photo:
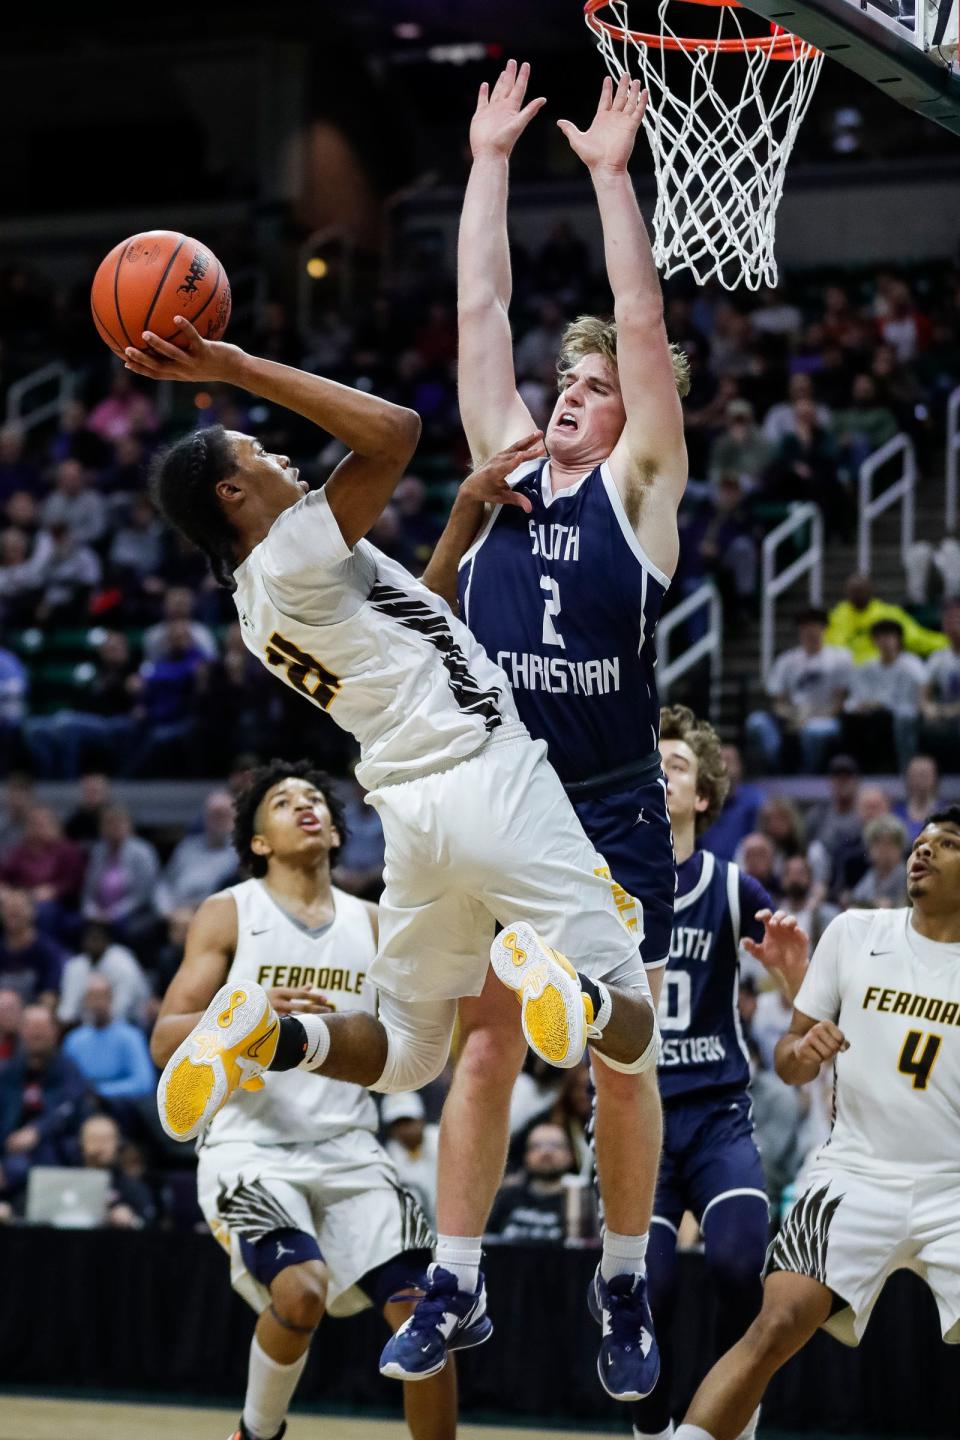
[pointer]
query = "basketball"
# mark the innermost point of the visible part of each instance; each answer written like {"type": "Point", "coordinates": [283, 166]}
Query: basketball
{"type": "Point", "coordinates": [148, 279]}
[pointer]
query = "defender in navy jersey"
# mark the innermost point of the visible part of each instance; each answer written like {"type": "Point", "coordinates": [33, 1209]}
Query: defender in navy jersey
{"type": "Point", "coordinates": [710, 1163]}
{"type": "Point", "coordinates": [563, 578]}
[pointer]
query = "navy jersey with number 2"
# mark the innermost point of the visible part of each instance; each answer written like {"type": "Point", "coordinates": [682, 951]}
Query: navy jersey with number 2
{"type": "Point", "coordinates": [566, 602]}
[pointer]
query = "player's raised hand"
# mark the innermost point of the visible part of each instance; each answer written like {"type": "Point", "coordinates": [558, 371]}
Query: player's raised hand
{"type": "Point", "coordinates": [194, 359]}
{"type": "Point", "coordinates": [821, 1043]}
{"type": "Point", "coordinates": [299, 1000]}
{"type": "Point", "coordinates": [608, 144]}
{"type": "Point", "coordinates": [784, 949]}
{"type": "Point", "coordinates": [501, 116]}
{"type": "Point", "coordinates": [489, 482]}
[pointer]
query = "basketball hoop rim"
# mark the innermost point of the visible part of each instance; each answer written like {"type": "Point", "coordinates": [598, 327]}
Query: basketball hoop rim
{"type": "Point", "coordinates": [782, 45]}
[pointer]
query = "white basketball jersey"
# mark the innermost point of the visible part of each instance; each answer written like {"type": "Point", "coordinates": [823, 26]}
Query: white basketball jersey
{"type": "Point", "coordinates": [896, 997]}
{"type": "Point", "coordinates": [356, 634]}
{"type": "Point", "coordinates": [272, 949]}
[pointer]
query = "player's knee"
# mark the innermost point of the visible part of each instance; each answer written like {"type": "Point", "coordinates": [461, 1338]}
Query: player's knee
{"type": "Point", "coordinates": [637, 1046]}
{"type": "Point", "coordinates": [491, 1056]}
{"type": "Point", "coordinates": [778, 1331]}
{"type": "Point", "coordinates": [736, 1231]}
{"type": "Point", "coordinates": [410, 1065]}
{"type": "Point", "coordinates": [299, 1295]}
{"type": "Point", "coordinates": [736, 1267]}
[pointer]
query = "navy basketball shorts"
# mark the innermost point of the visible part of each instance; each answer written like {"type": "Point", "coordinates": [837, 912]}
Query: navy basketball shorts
{"type": "Point", "coordinates": [631, 829]}
{"type": "Point", "coordinates": [708, 1153]}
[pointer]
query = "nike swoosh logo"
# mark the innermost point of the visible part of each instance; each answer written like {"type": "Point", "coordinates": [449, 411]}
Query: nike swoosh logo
{"type": "Point", "coordinates": [881, 952]}
{"type": "Point", "coordinates": [254, 1050]}
{"type": "Point", "coordinates": [264, 931]}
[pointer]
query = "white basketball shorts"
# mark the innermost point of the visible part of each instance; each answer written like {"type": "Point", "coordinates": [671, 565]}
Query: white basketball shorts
{"type": "Point", "coordinates": [851, 1231]}
{"type": "Point", "coordinates": [344, 1192]}
{"type": "Point", "coordinates": [494, 839]}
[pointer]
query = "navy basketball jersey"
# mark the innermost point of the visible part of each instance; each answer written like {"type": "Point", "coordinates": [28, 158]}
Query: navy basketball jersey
{"type": "Point", "coordinates": [566, 602]}
{"type": "Point", "coordinates": [703, 1047]}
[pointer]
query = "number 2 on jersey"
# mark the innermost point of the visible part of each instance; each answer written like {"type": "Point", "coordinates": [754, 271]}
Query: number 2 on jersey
{"type": "Point", "coordinates": [918, 1066]}
{"type": "Point", "coordinates": [551, 608]}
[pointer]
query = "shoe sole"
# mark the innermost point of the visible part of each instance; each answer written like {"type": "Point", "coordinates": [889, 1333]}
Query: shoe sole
{"type": "Point", "coordinates": [553, 1016]}
{"type": "Point", "coordinates": [393, 1372]}
{"type": "Point", "coordinates": [206, 1068]}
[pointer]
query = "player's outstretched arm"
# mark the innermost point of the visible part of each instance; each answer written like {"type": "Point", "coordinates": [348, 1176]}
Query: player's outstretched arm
{"type": "Point", "coordinates": [651, 451]}
{"type": "Point", "coordinates": [380, 436]}
{"type": "Point", "coordinates": [486, 486]}
{"type": "Point", "coordinates": [492, 412]}
{"type": "Point", "coordinates": [807, 1045]}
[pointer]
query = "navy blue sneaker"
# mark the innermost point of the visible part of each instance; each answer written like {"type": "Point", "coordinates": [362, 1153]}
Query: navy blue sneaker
{"type": "Point", "coordinates": [446, 1318]}
{"type": "Point", "coordinates": [629, 1361]}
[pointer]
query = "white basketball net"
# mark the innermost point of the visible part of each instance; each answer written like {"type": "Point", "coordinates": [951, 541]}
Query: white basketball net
{"type": "Point", "coordinates": [719, 164]}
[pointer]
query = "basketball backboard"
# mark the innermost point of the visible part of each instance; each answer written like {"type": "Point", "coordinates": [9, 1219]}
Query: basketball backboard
{"type": "Point", "coordinates": [907, 48]}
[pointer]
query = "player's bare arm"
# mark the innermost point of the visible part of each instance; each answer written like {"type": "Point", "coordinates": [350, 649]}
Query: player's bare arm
{"type": "Point", "coordinates": [807, 1045]}
{"type": "Point", "coordinates": [487, 486]}
{"type": "Point", "coordinates": [784, 950]}
{"type": "Point", "coordinates": [207, 957]}
{"type": "Point", "coordinates": [380, 436]}
{"type": "Point", "coordinates": [649, 463]}
{"type": "Point", "coordinates": [493, 413]}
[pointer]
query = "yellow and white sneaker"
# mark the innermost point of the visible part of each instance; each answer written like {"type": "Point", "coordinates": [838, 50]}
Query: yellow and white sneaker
{"type": "Point", "coordinates": [556, 1014]}
{"type": "Point", "coordinates": [229, 1047]}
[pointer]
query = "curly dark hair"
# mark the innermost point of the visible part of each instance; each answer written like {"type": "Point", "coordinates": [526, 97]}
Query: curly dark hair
{"type": "Point", "coordinates": [183, 480]}
{"type": "Point", "coordinates": [255, 787]}
{"type": "Point", "coordinates": [678, 722]}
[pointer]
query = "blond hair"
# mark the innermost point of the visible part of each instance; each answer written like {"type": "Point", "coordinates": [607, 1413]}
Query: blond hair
{"type": "Point", "coordinates": [590, 335]}
{"type": "Point", "coordinates": [678, 722]}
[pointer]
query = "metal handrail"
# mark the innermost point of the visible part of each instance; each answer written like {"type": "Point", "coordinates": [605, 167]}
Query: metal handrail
{"type": "Point", "coordinates": [808, 562]}
{"type": "Point", "coordinates": [953, 460]}
{"type": "Point", "coordinates": [26, 418]}
{"type": "Point", "coordinates": [873, 505]}
{"type": "Point", "coordinates": [710, 644]}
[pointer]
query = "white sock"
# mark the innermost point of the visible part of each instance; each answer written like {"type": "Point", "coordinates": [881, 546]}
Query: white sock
{"type": "Point", "coordinates": [749, 1430]}
{"type": "Point", "coordinates": [660, 1435]}
{"type": "Point", "coordinates": [623, 1255]}
{"type": "Point", "coordinates": [460, 1254]}
{"type": "Point", "coordinates": [692, 1432]}
{"type": "Point", "coordinates": [318, 1041]}
{"type": "Point", "coordinates": [270, 1388]}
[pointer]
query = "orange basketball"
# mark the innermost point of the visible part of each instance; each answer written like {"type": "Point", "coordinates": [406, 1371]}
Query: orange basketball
{"type": "Point", "coordinates": [147, 280]}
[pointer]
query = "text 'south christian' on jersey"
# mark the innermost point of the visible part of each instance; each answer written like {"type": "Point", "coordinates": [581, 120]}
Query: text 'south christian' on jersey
{"type": "Point", "coordinates": [565, 601]}
{"type": "Point", "coordinates": [702, 1048]}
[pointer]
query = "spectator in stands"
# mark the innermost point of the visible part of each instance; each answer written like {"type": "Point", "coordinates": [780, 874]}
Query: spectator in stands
{"type": "Point", "coordinates": [771, 1021]}
{"type": "Point", "coordinates": [111, 1054]}
{"type": "Point", "coordinates": [758, 857]}
{"type": "Point", "coordinates": [851, 623]}
{"type": "Point", "coordinates": [807, 687]}
{"type": "Point", "coordinates": [782, 823]}
{"type": "Point", "coordinates": [885, 882]}
{"type": "Point", "coordinates": [72, 504]}
{"type": "Point", "coordinates": [14, 688]}
{"type": "Point", "coordinates": [100, 726]}
{"type": "Point", "coordinates": [781, 419]}
{"type": "Point", "coordinates": [48, 866]}
{"type": "Point", "coordinates": [136, 549]}
{"type": "Point", "coordinates": [902, 326]}
{"type": "Point", "coordinates": [717, 542]}
{"type": "Point", "coordinates": [125, 411]}
{"type": "Point", "coordinates": [125, 474]}
{"type": "Point", "coordinates": [940, 701]}
{"type": "Point", "coordinates": [130, 1205]}
{"type": "Point", "coordinates": [800, 899]}
{"type": "Point", "coordinates": [778, 1112]}
{"type": "Point", "coordinates": [884, 700]}
{"type": "Point", "coordinates": [833, 824]}
{"type": "Point", "coordinates": [42, 1101]}
{"type": "Point", "coordinates": [93, 797]}
{"type": "Point", "coordinates": [359, 864]}
{"type": "Point", "coordinates": [167, 688]}
{"type": "Point", "coordinates": [805, 467]}
{"type": "Point", "coordinates": [169, 952]}
{"type": "Point", "coordinates": [873, 803]}
{"type": "Point", "coordinates": [17, 472]}
{"type": "Point", "coordinates": [74, 440]}
{"type": "Point", "coordinates": [234, 684]}
{"type": "Point", "coordinates": [420, 529]}
{"type": "Point", "coordinates": [572, 1110]}
{"type": "Point", "coordinates": [532, 1212]}
{"type": "Point", "coordinates": [921, 782]}
{"type": "Point", "coordinates": [19, 799]}
{"type": "Point", "coordinates": [412, 1146]}
{"type": "Point", "coordinates": [178, 605]}
{"type": "Point", "coordinates": [20, 577]}
{"type": "Point", "coordinates": [740, 449]}
{"type": "Point", "coordinates": [121, 878]}
{"type": "Point", "coordinates": [11, 1017]}
{"type": "Point", "coordinates": [864, 425]}
{"type": "Point", "coordinates": [200, 864]}
{"type": "Point", "coordinates": [30, 963]}
{"type": "Point", "coordinates": [536, 353]}
{"type": "Point", "coordinates": [101, 954]}
{"type": "Point", "coordinates": [68, 572]}
{"type": "Point", "coordinates": [740, 810]}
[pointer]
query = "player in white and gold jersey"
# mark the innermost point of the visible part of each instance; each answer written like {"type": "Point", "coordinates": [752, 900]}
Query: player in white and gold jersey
{"type": "Point", "coordinates": [478, 828]}
{"type": "Point", "coordinates": [882, 1001]}
{"type": "Point", "coordinates": [291, 1177]}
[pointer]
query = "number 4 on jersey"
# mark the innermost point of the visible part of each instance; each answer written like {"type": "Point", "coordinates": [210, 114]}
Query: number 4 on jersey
{"type": "Point", "coordinates": [918, 1065]}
